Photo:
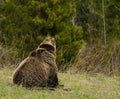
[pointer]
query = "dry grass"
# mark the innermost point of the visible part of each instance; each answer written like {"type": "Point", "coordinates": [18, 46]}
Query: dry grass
{"type": "Point", "coordinates": [98, 59]}
{"type": "Point", "coordinates": [8, 56]}
{"type": "Point", "coordinates": [76, 86]}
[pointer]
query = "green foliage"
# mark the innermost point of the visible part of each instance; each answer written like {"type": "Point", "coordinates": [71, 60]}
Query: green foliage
{"type": "Point", "coordinates": [113, 19]}
{"type": "Point", "coordinates": [68, 44]}
{"type": "Point", "coordinates": [25, 23]}
{"type": "Point", "coordinates": [100, 20]}
{"type": "Point", "coordinates": [90, 16]}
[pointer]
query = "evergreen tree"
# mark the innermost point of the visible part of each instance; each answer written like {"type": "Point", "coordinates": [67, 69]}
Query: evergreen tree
{"type": "Point", "coordinates": [25, 23]}
{"type": "Point", "coordinates": [99, 19]}
{"type": "Point", "coordinates": [113, 19]}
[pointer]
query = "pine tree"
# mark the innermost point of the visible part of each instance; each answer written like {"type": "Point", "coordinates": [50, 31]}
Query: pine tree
{"type": "Point", "coordinates": [26, 22]}
{"type": "Point", "coordinates": [99, 19]}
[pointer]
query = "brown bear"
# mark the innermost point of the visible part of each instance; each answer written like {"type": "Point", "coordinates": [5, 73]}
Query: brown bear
{"type": "Point", "coordinates": [39, 69]}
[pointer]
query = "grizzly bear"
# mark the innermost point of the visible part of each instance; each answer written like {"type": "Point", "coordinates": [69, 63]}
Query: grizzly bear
{"type": "Point", "coordinates": [39, 69]}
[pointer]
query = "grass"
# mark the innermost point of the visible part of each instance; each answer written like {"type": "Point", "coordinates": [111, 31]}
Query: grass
{"type": "Point", "coordinates": [76, 86]}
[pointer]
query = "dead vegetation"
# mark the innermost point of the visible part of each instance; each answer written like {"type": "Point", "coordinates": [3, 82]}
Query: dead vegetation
{"type": "Point", "coordinates": [8, 57]}
{"type": "Point", "coordinates": [98, 59]}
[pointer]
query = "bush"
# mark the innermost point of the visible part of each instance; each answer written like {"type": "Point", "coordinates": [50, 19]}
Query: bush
{"type": "Point", "coordinates": [24, 24]}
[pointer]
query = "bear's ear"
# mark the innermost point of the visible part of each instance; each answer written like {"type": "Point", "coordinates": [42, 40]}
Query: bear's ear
{"type": "Point", "coordinates": [33, 53]}
{"type": "Point", "coordinates": [48, 47]}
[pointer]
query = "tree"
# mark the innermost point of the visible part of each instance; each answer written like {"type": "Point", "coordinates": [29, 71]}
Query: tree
{"type": "Point", "coordinates": [26, 22]}
{"type": "Point", "coordinates": [99, 19]}
{"type": "Point", "coordinates": [103, 14]}
{"type": "Point", "coordinates": [101, 25]}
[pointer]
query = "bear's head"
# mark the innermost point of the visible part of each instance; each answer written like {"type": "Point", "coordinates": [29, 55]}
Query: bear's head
{"type": "Point", "coordinates": [49, 44]}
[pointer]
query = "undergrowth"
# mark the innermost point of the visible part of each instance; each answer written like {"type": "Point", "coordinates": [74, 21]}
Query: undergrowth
{"type": "Point", "coordinates": [98, 59]}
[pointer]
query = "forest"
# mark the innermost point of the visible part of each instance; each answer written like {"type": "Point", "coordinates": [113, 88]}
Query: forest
{"type": "Point", "coordinates": [83, 62]}
{"type": "Point", "coordinates": [87, 32]}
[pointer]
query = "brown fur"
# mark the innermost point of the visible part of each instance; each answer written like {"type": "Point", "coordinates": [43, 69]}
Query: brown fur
{"type": "Point", "coordinates": [39, 68]}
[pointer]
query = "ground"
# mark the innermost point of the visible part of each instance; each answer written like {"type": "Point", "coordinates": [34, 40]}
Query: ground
{"type": "Point", "coordinates": [76, 86]}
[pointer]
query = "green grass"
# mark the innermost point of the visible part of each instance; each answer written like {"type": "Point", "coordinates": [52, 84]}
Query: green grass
{"type": "Point", "coordinates": [76, 86]}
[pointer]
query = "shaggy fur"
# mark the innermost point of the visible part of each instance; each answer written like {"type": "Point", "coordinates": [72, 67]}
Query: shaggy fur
{"type": "Point", "coordinates": [39, 68]}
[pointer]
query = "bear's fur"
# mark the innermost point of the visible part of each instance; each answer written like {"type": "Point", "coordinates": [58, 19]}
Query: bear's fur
{"type": "Point", "coordinates": [39, 69]}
